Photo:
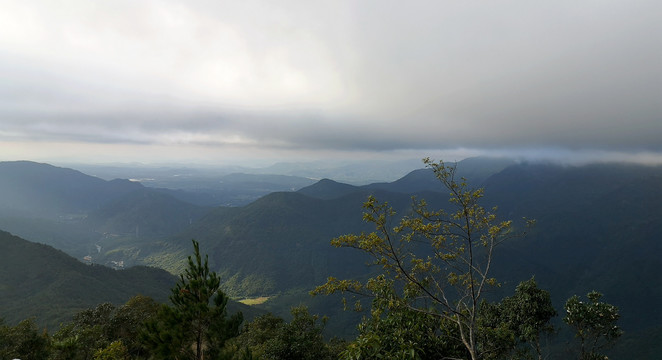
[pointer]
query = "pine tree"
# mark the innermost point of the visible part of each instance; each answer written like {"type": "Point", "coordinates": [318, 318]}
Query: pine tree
{"type": "Point", "coordinates": [196, 326]}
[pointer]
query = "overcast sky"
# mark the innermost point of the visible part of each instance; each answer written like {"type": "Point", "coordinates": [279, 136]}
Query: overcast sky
{"type": "Point", "coordinates": [263, 81]}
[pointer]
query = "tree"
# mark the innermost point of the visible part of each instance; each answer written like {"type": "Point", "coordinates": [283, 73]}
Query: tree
{"type": "Point", "coordinates": [404, 334]}
{"type": "Point", "coordinates": [528, 314]}
{"type": "Point", "coordinates": [95, 329]}
{"type": "Point", "coordinates": [87, 332]}
{"type": "Point", "coordinates": [594, 323]}
{"type": "Point", "coordinates": [300, 339]}
{"type": "Point", "coordinates": [437, 262]}
{"type": "Point", "coordinates": [271, 337]}
{"type": "Point", "coordinates": [23, 341]}
{"type": "Point", "coordinates": [196, 325]}
{"type": "Point", "coordinates": [254, 337]}
{"type": "Point", "coordinates": [114, 351]}
{"type": "Point", "coordinates": [128, 320]}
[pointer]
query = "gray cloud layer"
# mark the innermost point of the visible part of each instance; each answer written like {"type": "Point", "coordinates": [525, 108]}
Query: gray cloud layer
{"type": "Point", "coordinates": [339, 76]}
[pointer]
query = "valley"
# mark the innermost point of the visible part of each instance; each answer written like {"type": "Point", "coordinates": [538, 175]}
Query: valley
{"type": "Point", "coordinates": [597, 227]}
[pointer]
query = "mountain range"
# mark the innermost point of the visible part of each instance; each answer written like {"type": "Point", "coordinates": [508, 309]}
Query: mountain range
{"type": "Point", "coordinates": [597, 228]}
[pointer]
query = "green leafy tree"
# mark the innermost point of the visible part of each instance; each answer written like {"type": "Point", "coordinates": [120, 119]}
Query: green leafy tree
{"type": "Point", "coordinates": [127, 322]}
{"type": "Point", "coordinates": [23, 341]}
{"type": "Point", "coordinates": [439, 261]}
{"type": "Point", "coordinates": [404, 334]}
{"type": "Point", "coordinates": [528, 313]}
{"type": "Point", "coordinates": [97, 328]}
{"type": "Point", "coordinates": [196, 326]}
{"type": "Point", "coordinates": [114, 351]}
{"type": "Point", "coordinates": [594, 323]}
{"type": "Point", "coordinates": [87, 332]}
{"type": "Point", "coordinates": [300, 339]}
{"type": "Point", "coordinates": [254, 337]}
{"type": "Point", "coordinates": [496, 339]}
{"type": "Point", "coordinates": [270, 337]}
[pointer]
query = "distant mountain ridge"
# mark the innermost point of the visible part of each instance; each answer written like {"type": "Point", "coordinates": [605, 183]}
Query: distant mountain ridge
{"type": "Point", "coordinates": [476, 170]}
{"type": "Point", "coordinates": [44, 190]}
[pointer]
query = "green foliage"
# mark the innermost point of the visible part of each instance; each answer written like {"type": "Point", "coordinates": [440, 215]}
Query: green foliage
{"type": "Point", "coordinates": [436, 262]}
{"type": "Point", "coordinates": [23, 341]}
{"type": "Point", "coordinates": [195, 326]}
{"type": "Point", "coordinates": [239, 283]}
{"type": "Point", "coordinates": [96, 329]}
{"type": "Point", "coordinates": [88, 332]}
{"type": "Point", "coordinates": [126, 324]}
{"type": "Point", "coordinates": [528, 314]}
{"type": "Point", "coordinates": [255, 335]}
{"type": "Point", "coordinates": [594, 323]}
{"type": "Point", "coordinates": [405, 334]}
{"type": "Point", "coordinates": [270, 337]}
{"type": "Point", "coordinates": [115, 351]}
{"type": "Point", "coordinates": [300, 339]}
{"type": "Point", "coordinates": [496, 338]}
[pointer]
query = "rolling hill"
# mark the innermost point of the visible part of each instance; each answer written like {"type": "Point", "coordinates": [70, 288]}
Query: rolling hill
{"type": "Point", "coordinates": [39, 281]}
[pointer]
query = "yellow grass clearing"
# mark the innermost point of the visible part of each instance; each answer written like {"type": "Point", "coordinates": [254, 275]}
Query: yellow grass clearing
{"type": "Point", "coordinates": [254, 301]}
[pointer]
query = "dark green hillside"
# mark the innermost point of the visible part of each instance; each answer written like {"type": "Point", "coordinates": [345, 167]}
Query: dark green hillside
{"type": "Point", "coordinates": [145, 213]}
{"type": "Point", "coordinates": [598, 227]}
{"type": "Point", "coordinates": [44, 190]}
{"type": "Point", "coordinates": [75, 240]}
{"type": "Point", "coordinates": [39, 281]}
{"type": "Point", "coordinates": [132, 230]}
{"type": "Point", "coordinates": [281, 241]}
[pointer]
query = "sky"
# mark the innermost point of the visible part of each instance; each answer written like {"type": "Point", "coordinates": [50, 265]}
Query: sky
{"type": "Point", "coordinates": [257, 82]}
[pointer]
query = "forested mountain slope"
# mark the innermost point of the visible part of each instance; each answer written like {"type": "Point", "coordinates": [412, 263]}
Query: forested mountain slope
{"type": "Point", "coordinates": [87, 216]}
{"type": "Point", "coordinates": [39, 281]}
{"type": "Point", "coordinates": [597, 228]}
{"type": "Point", "coordinates": [145, 212]}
